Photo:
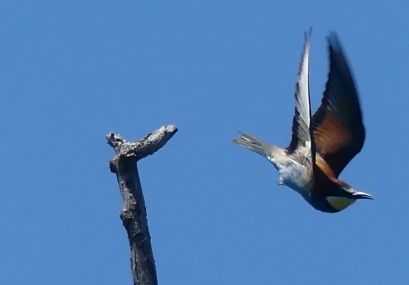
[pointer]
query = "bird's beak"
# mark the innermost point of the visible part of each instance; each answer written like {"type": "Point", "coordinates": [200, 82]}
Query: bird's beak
{"type": "Point", "coordinates": [362, 195]}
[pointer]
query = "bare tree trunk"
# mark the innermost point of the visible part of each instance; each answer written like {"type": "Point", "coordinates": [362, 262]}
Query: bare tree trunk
{"type": "Point", "coordinates": [133, 214]}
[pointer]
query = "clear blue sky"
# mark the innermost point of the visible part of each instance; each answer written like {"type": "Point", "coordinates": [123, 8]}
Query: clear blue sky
{"type": "Point", "coordinates": [72, 71]}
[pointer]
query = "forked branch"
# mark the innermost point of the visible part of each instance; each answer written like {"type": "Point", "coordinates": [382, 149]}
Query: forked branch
{"type": "Point", "coordinates": [133, 214]}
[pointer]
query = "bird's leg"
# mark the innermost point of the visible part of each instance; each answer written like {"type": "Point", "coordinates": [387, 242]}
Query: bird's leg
{"type": "Point", "coordinates": [280, 181]}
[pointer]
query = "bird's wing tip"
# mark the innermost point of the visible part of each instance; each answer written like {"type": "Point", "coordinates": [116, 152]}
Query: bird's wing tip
{"type": "Point", "coordinates": [333, 40]}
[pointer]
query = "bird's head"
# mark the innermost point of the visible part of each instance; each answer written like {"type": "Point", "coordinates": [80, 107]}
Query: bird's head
{"type": "Point", "coordinates": [352, 193]}
{"type": "Point", "coordinates": [346, 196]}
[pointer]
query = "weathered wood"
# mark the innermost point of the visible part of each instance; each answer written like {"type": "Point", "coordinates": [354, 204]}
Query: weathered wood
{"type": "Point", "coordinates": [133, 214]}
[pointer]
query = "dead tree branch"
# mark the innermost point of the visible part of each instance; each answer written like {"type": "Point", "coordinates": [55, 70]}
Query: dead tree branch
{"type": "Point", "coordinates": [133, 214]}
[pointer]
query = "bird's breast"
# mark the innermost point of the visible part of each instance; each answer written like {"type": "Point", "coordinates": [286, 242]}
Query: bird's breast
{"type": "Point", "coordinates": [297, 176]}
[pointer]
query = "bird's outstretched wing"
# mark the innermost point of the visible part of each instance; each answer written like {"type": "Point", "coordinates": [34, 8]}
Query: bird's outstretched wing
{"type": "Point", "coordinates": [302, 145]}
{"type": "Point", "coordinates": [339, 133]}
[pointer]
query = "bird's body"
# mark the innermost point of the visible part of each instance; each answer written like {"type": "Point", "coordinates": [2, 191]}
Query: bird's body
{"type": "Point", "coordinates": [323, 144]}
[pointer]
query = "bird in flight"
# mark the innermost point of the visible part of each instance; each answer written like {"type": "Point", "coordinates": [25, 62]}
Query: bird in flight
{"type": "Point", "coordinates": [323, 144]}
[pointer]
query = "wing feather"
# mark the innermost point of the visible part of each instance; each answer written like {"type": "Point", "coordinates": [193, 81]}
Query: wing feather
{"type": "Point", "coordinates": [302, 144]}
{"type": "Point", "coordinates": [339, 133]}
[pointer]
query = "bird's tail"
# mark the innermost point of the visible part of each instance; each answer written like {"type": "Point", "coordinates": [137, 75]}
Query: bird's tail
{"type": "Point", "coordinates": [254, 144]}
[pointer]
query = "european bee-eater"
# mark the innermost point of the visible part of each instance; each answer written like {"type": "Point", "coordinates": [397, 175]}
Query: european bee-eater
{"type": "Point", "coordinates": [323, 144]}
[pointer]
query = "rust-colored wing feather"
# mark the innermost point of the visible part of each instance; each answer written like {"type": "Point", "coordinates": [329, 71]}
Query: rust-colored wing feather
{"type": "Point", "coordinates": [339, 133]}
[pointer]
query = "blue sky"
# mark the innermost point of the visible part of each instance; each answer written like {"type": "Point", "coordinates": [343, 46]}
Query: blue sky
{"type": "Point", "coordinates": [72, 71]}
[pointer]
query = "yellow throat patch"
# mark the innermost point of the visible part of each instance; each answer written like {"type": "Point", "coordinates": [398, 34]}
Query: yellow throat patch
{"type": "Point", "coordinates": [339, 203]}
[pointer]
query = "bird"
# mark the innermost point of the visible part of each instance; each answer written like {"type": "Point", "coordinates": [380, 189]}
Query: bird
{"type": "Point", "coordinates": [323, 144]}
